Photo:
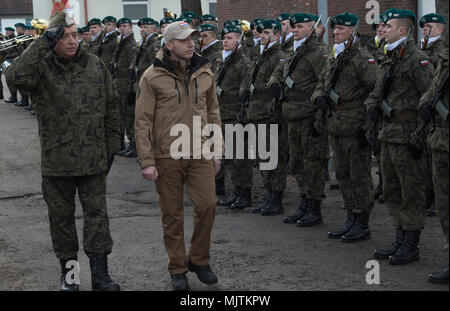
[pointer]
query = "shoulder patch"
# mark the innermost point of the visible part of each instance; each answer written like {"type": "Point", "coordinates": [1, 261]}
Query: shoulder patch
{"type": "Point", "coordinates": [282, 60]}
{"type": "Point", "coordinates": [371, 61]}
{"type": "Point", "coordinates": [325, 56]}
{"type": "Point", "coordinates": [424, 62]}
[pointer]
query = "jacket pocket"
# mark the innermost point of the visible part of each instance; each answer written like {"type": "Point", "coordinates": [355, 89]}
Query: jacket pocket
{"type": "Point", "coordinates": [59, 155]}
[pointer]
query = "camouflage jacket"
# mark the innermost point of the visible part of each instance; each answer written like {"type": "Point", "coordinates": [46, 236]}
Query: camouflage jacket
{"type": "Point", "coordinates": [213, 53]}
{"type": "Point", "coordinates": [440, 46]}
{"type": "Point", "coordinates": [377, 51]}
{"type": "Point", "coordinates": [94, 46]}
{"type": "Point", "coordinates": [124, 57]}
{"type": "Point", "coordinates": [107, 47]}
{"type": "Point", "coordinates": [148, 54]}
{"type": "Point", "coordinates": [76, 108]}
{"type": "Point", "coordinates": [438, 140]}
{"type": "Point", "coordinates": [237, 70]}
{"type": "Point", "coordinates": [305, 74]}
{"type": "Point", "coordinates": [248, 44]}
{"type": "Point", "coordinates": [262, 95]}
{"type": "Point", "coordinates": [287, 46]}
{"type": "Point", "coordinates": [413, 75]}
{"type": "Point", "coordinates": [356, 79]}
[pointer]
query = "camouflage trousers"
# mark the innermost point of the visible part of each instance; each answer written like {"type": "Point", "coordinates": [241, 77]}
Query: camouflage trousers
{"type": "Point", "coordinates": [353, 172]}
{"type": "Point", "coordinates": [12, 88]}
{"type": "Point", "coordinates": [59, 194]}
{"type": "Point", "coordinates": [307, 155]}
{"type": "Point", "coordinates": [240, 170]}
{"type": "Point", "coordinates": [403, 186]}
{"type": "Point", "coordinates": [274, 180]}
{"type": "Point", "coordinates": [440, 180]}
{"type": "Point", "coordinates": [126, 111]}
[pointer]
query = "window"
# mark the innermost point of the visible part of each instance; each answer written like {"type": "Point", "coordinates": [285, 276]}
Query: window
{"type": "Point", "coordinates": [213, 7]}
{"type": "Point", "coordinates": [136, 9]}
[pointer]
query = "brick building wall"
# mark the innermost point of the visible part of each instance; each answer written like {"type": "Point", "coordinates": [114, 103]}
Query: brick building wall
{"type": "Point", "coordinates": [250, 9]}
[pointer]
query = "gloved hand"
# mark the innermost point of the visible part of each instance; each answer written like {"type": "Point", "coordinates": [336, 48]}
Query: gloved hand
{"type": "Point", "coordinates": [425, 111]}
{"type": "Point", "coordinates": [373, 113]}
{"type": "Point", "coordinates": [132, 74]}
{"type": "Point", "coordinates": [322, 103]}
{"type": "Point", "coordinates": [51, 36]}
{"type": "Point", "coordinates": [244, 95]}
{"type": "Point", "coordinates": [276, 90]}
{"type": "Point", "coordinates": [363, 143]}
{"type": "Point", "coordinates": [110, 161]}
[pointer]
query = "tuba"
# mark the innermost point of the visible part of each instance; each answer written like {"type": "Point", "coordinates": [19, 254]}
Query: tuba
{"type": "Point", "coordinates": [40, 25]}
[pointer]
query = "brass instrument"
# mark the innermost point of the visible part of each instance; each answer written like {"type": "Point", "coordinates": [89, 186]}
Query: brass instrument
{"type": "Point", "coordinates": [39, 24]}
{"type": "Point", "coordinates": [170, 14]}
{"type": "Point", "coordinates": [245, 25]}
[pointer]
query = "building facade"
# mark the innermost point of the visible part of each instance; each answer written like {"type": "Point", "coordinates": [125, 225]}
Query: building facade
{"type": "Point", "coordinates": [15, 11]}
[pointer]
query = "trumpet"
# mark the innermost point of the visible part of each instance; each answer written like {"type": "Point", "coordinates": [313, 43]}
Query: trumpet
{"type": "Point", "coordinates": [245, 25]}
{"type": "Point", "coordinates": [170, 14]}
{"type": "Point", "coordinates": [40, 25]}
{"type": "Point", "coordinates": [12, 43]}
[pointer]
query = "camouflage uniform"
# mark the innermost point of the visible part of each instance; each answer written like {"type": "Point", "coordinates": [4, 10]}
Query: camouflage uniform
{"type": "Point", "coordinates": [436, 48]}
{"type": "Point", "coordinates": [376, 49]}
{"type": "Point", "coordinates": [213, 53]}
{"type": "Point", "coordinates": [286, 46]}
{"type": "Point", "coordinates": [94, 45]}
{"type": "Point", "coordinates": [149, 49]}
{"type": "Point", "coordinates": [106, 49]}
{"type": "Point", "coordinates": [77, 111]}
{"type": "Point", "coordinates": [124, 60]}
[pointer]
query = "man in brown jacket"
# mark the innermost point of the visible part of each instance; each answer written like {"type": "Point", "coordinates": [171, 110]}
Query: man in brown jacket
{"type": "Point", "coordinates": [179, 91]}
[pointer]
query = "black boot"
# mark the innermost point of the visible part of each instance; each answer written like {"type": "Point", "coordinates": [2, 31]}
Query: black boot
{"type": "Point", "coordinates": [334, 186]}
{"type": "Point", "coordinates": [204, 273]}
{"type": "Point", "coordinates": [132, 153]}
{"type": "Point", "coordinates": [70, 286]}
{"type": "Point", "coordinates": [267, 199]}
{"type": "Point", "coordinates": [244, 200]}
{"type": "Point", "coordinates": [274, 207]}
{"type": "Point", "coordinates": [394, 247]}
{"type": "Point", "coordinates": [232, 198]}
{"type": "Point", "coordinates": [123, 148]}
{"type": "Point", "coordinates": [99, 274]}
{"type": "Point", "coordinates": [348, 224]}
{"type": "Point", "coordinates": [360, 230]}
{"type": "Point", "coordinates": [220, 186]}
{"type": "Point", "coordinates": [1, 94]}
{"type": "Point", "coordinates": [12, 99]}
{"type": "Point", "coordinates": [179, 282]}
{"type": "Point", "coordinates": [440, 277]}
{"type": "Point", "coordinates": [23, 102]}
{"type": "Point", "coordinates": [326, 171]}
{"type": "Point", "coordinates": [313, 216]}
{"type": "Point", "coordinates": [298, 213]}
{"type": "Point", "coordinates": [409, 251]}
{"type": "Point", "coordinates": [378, 192]}
{"type": "Point", "coordinates": [430, 206]}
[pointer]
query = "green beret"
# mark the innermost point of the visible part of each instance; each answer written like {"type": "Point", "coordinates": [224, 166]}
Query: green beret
{"type": "Point", "coordinates": [19, 25]}
{"type": "Point", "coordinates": [167, 20]}
{"type": "Point", "coordinates": [94, 21]}
{"type": "Point", "coordinates": [147, 21]}
{"type": "Point", "coordinates": [124, 20]}
{"type": "Point", "coordinates": [255, 22]}
{"type": "Point", "coordinates": [79, 30]}
{"type": "Point", "coordinates": [378, 21]}
{"type": "Point", "coordinates": [28, 27]}
{"type": "Point", "coordinates": [109, 19]}
{"type": "Point", "coordinates": [283, 17]}
{"type": "Point", "coordinates": [207, 27]}
{"type": "Point", "coordinates": [432, 18]}
{"type": "Point", "coordinates": [229, 29]}
{"type": "Point", "coordinates": [344, 19]}
{"type": "Point", "coordinates": [190, 15]}
{"type": "Point", "coordinates": [84, 29]}
{"type": "Point", "coordinates": [268, 24]}
{"type": "Point", "coordinates": [184, 19]}
{"type": "Point", "coordinates": [9, 29]}
{"type": "Point", "coordinates": [302, 18]}
{"type": "Point", "coordinates": [233, 22]}
{"type": "Point", "coordinates": [60, 18]}
{"type": "Point", "coordinates": [397, 14]}
{"type": "Point", "coordinates": [208, 17]}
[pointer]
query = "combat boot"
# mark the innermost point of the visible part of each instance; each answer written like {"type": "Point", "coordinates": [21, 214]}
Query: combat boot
{"type": "Point", "coordinates": [430, 206]}
{"type": "Point", "coordinates": [348, 224]}
{"type": "Point", "coordinates": [65, 286]}
{"type": "Point", "coordinates": [23, 102]}
{"type": "Point", "coordinates": [359, 231]}
{"type": "Point", "coordinates": [12, 99]}
{"type": "Point", "coordinates": [313, 216]}
{"type": "Point", "coordinates": [378, 191]}
{"type": "Point", "coordinates": [298, 213]}
{"type": "Point", "coordinates": [99, 274]}
{"type": "Point", "coordinates": [440, 277]}
{"type": "Point", "coordinates": [394, 247]}
{"type": "Point", "coordinates": [232, 198]}
{"type": "Point", "coordinates": [1, 94]}
{"type": "Point", "coordinates": [204, 273]}
{"type": "Point", "coordinates": [267, 199]}
{"type": "Point", "coordinates": [409, 251]}
{"type": "Point", "coordinates": [220, 186]}
{"type": "Point", "coordinates": [179, 282]}
{"type": "Point", "coordinates": [274, 207]}
{"type": "Point", "coordinates": [244, 200]}
{"type": "Point", "coordinates": [132, 153]}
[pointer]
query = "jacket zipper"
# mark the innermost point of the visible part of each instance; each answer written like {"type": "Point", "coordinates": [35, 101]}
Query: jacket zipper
{"type": "Point", "coordinates": [178, 90]}
{"type": "Point", "coordinates": [196, 94]}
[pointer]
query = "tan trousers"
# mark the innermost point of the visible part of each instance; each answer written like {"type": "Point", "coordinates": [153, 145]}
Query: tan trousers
{"type": "Point", "coordinates": [198, 176]}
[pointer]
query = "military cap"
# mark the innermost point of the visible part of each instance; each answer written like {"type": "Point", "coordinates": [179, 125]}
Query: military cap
{"type": "Point", "coordinates": [60, 18]}
{"type": "Point", "coordinates": [188, 14]}
{"type": "Point", "coordinates": [124, 20]}
{"type": "Point", "coordinates": [229, 29]}
{"type": "Point", "coordinates": [207, 27]}
{"type": "Point", "coordinates": [255, 22]}
{"type": "Point", "coordinates": [28, 27]}
{"type": "Point", "coordinates": [398, 13]}
{"type": "Point", "coordinates": [109, 19]}
{"type": "Point", "coordinates": [283, 17]}
{"type": "Point", "coordinates": [232, 22]}
{"type": "Point", "coordinates": [344, 19]}
{"type": "Point", "coordinates": [184, 19]}
{"type": "Point", "coordinates": [166, 20]}
{"type": "Point", "coordinates": [9, 29]}
{"type": "Point", "coordinates": [19, 25]}
{"type": "Point", "coordinates": [84, 29]}
{"type": "Point", "coordinates": [378, 21]}
{"type": "Point", "coordinates": [147, 21]}
{"type": "Point", "coordinates": [79, 30]}
{"type": "Point", "coordinates": [268, 24]}
{"type": "Point", "coordinates": [208, 17]}
{"type": "Point", "coordinates": [302, 18]}
{"type": "Point", "coordinates": [432, 18]}
{"type": "Point", "coordinates": [94, 21]}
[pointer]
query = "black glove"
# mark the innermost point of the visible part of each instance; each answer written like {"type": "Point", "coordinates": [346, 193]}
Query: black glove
{"type": "Point", "coordinates": [110, 161]}
{"type": "Point", "coordinates": [316, 128]}
{"type": "Point", "coordinates": [322, 103]}
{"type": "Point", "coordinates": [52, 36]}
{"type": "Point", "coordinates": [276, 90]}
{"type": "Point", "coordinates": [244, 95]}
{"type": "Point", "coordinates": [373, 113]}
{"type": "Point", "coordinates": [425, 111]}
{"type": "Point", "coordinates": [362, 140]}
{"type": "Point", "coordinates": [132, 74]}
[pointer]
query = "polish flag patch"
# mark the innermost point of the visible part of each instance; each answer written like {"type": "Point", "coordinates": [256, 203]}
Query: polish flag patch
{"type": "Point", "coordinates": [372, 61]}
{"type": "Point", "coordinates": [325, 56]}
{"type": "Point", "coordinates": [424, 62]}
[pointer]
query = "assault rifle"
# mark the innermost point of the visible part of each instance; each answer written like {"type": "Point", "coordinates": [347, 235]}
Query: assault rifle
{"type": "Point", "coordinates": [426, 39]}
{"type": "Point", "coordinates": [287, 80]}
